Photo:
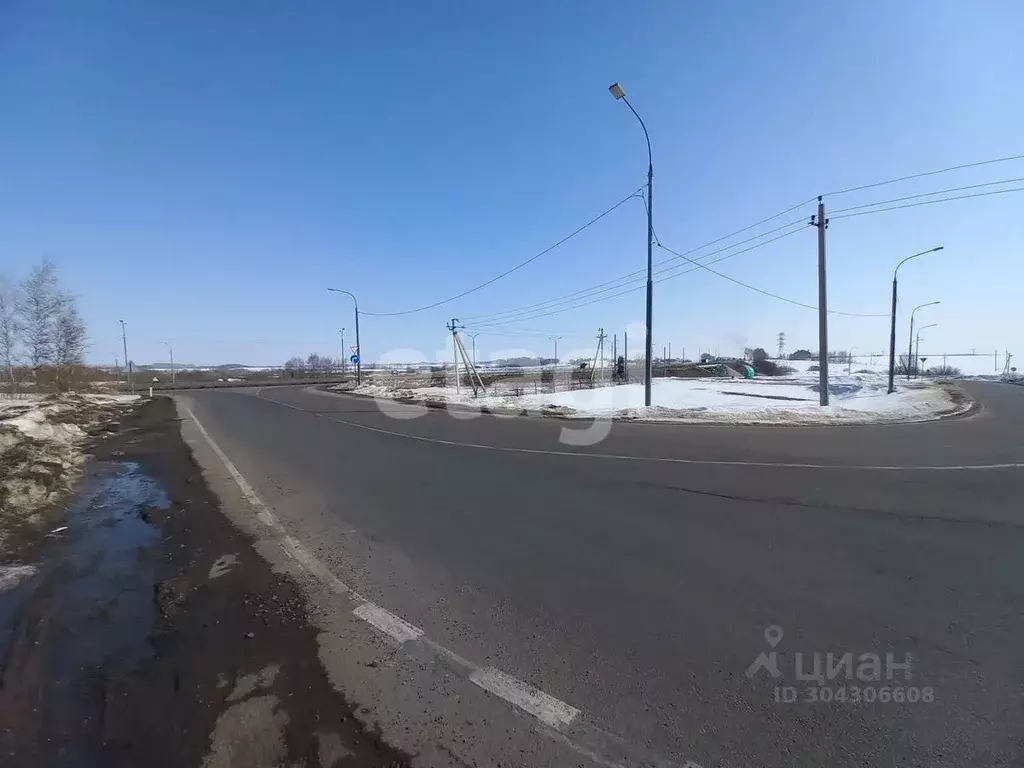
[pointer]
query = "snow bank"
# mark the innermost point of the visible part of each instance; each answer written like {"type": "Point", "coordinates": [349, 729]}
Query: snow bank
{"type": "Point", "coordinates": [793, 399]}
{"type": "Point", "coordinates": [39, 451]}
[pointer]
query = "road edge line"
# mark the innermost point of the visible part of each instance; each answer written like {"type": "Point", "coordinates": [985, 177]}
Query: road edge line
{"type": "Point", "coordinates": [546, 708]}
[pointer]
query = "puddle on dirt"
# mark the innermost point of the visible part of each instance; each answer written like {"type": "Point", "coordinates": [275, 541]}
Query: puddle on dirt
{"type": "Point", "coordinates": [84, 621]}
{"type": "Point", "coordinates": [109, 592]}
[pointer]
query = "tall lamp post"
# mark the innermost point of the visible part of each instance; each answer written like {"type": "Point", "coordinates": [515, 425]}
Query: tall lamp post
{"type": "Point", "coordinates": [892, 325]}
{"type": "Point", "coordinates": [555, 339]}
{"type": "Point", "coordinates": [910, 341]}
{"type": "Point", "coordinates": [917, 345]}
{"type": "Point", "coordinates": [170, 351]}
{"type": "Point", "coordinates": [359, 349]}
{"type": "Point", "coordinates": [344, 352]}
{"type": "Point", "coordinates": [473, 337]}
{"type": "Point", "coordinates": [617, 91]}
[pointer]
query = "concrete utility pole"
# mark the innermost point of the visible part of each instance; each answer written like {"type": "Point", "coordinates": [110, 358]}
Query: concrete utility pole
{"type": "Point", "coordinates": [454, 328]}
{"type": "Point", "coordinates": [821, 224]}
{"type": "Point", "coordinates": [359, 348]}
{"type": "Point", "coordinates": [625, 353]}
{"type": "Point", "coordinates": [892, 325]}
{"type": "Point", "coordinates": [127, 364]}
{"type": "Point", "coordinates": [598, 354]}
{"type": "Point", "coordinates": [910, 341]}
{"type": "Point", "coordinates": [617, 91]}
{"type": "Point", "coordinates": [170, 351]}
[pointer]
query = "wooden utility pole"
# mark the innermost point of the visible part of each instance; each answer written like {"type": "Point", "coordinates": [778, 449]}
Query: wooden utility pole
{"type": "Point", "coordinates": [821, 223]}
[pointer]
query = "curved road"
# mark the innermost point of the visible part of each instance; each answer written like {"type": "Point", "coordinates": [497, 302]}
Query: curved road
{"type": "Point", "coordinates": [635, 579]}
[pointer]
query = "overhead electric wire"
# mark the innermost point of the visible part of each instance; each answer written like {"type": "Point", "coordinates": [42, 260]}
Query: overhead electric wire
{"type": "Point", "coordinates": [927, 194]}
{"type": "Point", "coordinates": [925, 173]}
{"type": "Point", "coordinates": [927, 202]}
{"type": "Point", "coordinates": [769, 293]}
{"type": "Point", "coordinates": [513, 333]}
{"type": "Point", "coordinates": [511, 315]}
{"type": "Point", "coordinates": [632, 276]}
{"type": "Point", "coordinates": [642, 285]}
{"type": "Point", "coordinates": [518, 266]}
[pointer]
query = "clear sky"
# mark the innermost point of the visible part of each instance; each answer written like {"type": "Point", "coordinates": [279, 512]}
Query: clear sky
{"type": "Point", "coordinates": [205, 170]}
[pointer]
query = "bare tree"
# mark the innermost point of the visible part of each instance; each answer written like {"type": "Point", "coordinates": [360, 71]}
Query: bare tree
{"type": "Point", "coordinates": [10, 329]}
{"type": "Point", "coordinates": [68, 343]}
{"type": "Point", "coordinates": [39, 306]}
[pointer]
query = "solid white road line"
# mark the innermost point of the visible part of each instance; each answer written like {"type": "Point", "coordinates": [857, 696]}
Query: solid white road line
{"type": "Point", "coordinates": [665, 459]}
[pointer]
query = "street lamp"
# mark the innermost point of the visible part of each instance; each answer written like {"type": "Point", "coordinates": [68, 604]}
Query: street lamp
{"type": "Point", "coordinates": [170, 351]}
{"type": "Point", "coordinates": [555, 339]}
{"type": "Point", "coordinates": [359, 349]}
{"type": "Point", "coordinates": [910, 341]}
{"type": "Point", "coordinates": [344, 352]}
{"type": "Point", "coordinates": [917, 345]}
{"type": "Point", "coordinates": [473, 336]}
{"type": "Point", "coordinates": [617, 91]}
{"type": "Point", "coordinates": [892, 326]}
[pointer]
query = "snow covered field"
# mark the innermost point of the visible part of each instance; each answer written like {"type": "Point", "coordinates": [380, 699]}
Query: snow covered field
{"type": "Point", "coordinates": [859, 398]}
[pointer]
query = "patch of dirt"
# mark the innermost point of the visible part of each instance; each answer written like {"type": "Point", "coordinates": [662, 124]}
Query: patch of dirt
{"type": "Point", "coordinates": [199, 687]}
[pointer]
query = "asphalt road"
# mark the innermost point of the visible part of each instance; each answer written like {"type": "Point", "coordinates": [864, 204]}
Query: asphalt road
{"type": "Point", "coordinates": [634, 579]}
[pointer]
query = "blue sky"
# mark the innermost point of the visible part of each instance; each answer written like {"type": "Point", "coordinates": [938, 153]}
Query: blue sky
{"type": "Point", "coordinates": [205, 170]}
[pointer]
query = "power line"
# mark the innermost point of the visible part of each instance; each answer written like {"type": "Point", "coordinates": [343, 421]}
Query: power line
{"type": "Point", "coordinates": [928, 194]}
{"type": "Point", "coordinates": [515, 333]}
{"type": "Point", "coordinates": [509, 315]}
{"type": "Point", "coordinates": [517, 267]}
{"type": "Point", "coordinates": [927, 202]}
{"type": "Point", "coordinates": [642, 285]}
{"type": "Point", "coordinates": [926, 173]}
{"type": "Point", "coordinates": [484, 329]}
{"type": "Point", "coordinates": [769, 293]}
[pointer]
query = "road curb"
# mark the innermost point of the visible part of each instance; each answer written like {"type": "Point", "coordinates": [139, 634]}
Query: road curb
{"type": "Point", "coordinates": [968, 408]}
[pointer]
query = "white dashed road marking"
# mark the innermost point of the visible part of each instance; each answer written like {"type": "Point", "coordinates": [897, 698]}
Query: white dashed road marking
{"type": "Point", "coordinates": [395, 627]}
{"type": "Point", "coordinates": [546, 708]}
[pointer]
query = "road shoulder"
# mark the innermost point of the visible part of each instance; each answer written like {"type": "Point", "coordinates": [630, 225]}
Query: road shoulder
{"type": "Point", "coordinates": [199, 653]}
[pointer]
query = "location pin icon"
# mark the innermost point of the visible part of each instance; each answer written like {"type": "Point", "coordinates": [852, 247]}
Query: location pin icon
{"type": "Point", "coordinates": [773, 635]}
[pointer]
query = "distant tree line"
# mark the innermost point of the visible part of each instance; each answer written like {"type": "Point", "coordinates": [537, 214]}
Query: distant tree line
{"type": "Point", "coordinates": [42, 334]}
{"type": "Point", "coordinates": [313, 365]}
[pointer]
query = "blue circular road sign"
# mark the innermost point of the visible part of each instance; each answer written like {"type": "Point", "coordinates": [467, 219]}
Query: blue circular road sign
{"type": "Point", "coordinates": [354, 359]}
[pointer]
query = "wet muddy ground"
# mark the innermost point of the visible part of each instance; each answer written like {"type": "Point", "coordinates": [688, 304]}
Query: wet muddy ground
{"type": "Point", "coordinates": [153, 634]}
